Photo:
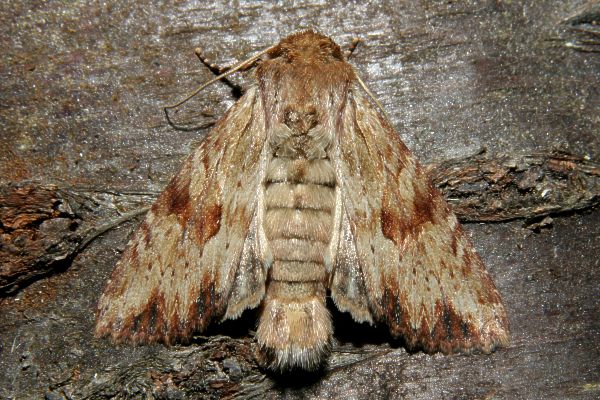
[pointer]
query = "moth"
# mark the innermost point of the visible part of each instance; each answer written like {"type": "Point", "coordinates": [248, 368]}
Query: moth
{"type": "Point", "coordinates": [303, 190]}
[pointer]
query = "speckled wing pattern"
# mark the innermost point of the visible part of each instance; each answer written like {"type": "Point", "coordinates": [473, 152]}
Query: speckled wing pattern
{"type": "Point", "coordinates": [194, 259]}
{"type": "Point", "coordinates": [403, 258]}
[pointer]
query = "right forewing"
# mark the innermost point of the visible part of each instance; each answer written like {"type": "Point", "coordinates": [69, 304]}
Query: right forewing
{"type": "Point", "coordinates": [403, 258]}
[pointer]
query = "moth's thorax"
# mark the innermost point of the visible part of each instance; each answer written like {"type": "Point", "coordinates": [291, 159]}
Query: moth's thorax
{"type": "Point", "coordinates": [307, 46]}
{"type": "Point", "coordinates": [305, 76]}
{"type": "Point", "coordinates": [305, 79]}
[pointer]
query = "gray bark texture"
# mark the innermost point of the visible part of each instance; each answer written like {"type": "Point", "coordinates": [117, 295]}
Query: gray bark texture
{"type": "Point", "coordinates": [499, 99]}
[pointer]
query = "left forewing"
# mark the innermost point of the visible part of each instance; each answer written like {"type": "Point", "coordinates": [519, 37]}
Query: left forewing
{"type": "Point", "coordinates": [193, 259]}
{"type": "Point", "coordinates": [403, 258]}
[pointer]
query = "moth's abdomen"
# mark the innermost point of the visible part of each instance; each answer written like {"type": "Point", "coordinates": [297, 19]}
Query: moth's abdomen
{"type": "Point", "coordinates": [295, 326]}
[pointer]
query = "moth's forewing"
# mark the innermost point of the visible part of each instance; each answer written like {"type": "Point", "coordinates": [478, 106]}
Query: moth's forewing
{"type": "Point", "coordinates": [178, 272]}
{"type": "Point", "coordinates": [418, 268]}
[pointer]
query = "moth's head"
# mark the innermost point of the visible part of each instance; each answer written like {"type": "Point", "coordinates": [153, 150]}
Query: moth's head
{"type": "Point", "coordinates": [307, 46]}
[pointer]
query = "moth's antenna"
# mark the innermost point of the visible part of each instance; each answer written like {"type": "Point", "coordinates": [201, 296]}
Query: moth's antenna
{"type": "Point", "coordinates": [239, 66]}
{"type": "Point", "coordinates": [349, 53]}
{"type": "Point", "coordinates": [215, 69]}
{"type": "Point", "coordinates": [366, 89]}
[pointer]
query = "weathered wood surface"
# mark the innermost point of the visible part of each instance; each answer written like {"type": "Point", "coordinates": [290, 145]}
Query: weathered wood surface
{"type": "Point", "coordinates": [85, 143]}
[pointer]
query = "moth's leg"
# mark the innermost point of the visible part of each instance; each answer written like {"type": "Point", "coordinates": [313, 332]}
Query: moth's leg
{"type": "Point", "coordinates": [348, 53]}
{"type": "Point", "coordinates": [236, 89]}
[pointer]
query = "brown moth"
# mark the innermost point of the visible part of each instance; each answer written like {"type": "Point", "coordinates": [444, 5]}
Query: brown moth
{"type": "Point", "coordinates": [302, 189]}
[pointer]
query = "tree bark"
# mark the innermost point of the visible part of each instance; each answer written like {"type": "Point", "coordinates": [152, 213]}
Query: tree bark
{"type": "Point", "coordinates": [498, 99]}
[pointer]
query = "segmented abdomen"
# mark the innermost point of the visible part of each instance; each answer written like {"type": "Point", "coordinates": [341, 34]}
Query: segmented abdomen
{"type": "Point", "coordinates": [295, 326]}
{"type": "Point", "coordinates": [299, 204]}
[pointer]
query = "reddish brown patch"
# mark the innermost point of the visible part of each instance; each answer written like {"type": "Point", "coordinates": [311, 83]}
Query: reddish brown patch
{"type": "Point", "coordinates": [207, 306]}
{"type": "Point", "coordinates": [493, 296]}
{"type": "Point", "coordinates": [133, 253]}
{"type": "Point", "coordinates": [175, 199]}
{"type": "Point", "coordinates": [391, 224]}
{"type": "Point", "coordinates": [454, 239]}
{"type": "Point", "coordinates": [205, 159]}
{"type": "Point", "coordinates": [444, 267]}
{"type": "Point", "coordinates": [450, 333]}
{"type": "Point", "coordinates": [393, 308]}
{"type": "Point", "coordinates": [388, 152]}
{"type": "Point", "coordinates": [469, 257]}
{"type": "Point", "coordinates": [489, 294]}
{"type": "Point", "coordinates": [208, 223]}
{"type": "Point", "coordinates": [427, 207]}
{"type": "Point", "coordinates": [146, 233]}
{"type": "Point", "coordinates": [395, 154]}
{"type": "Point", "coordinates": [150, 324]}
{"type": "Point", "coordinates": [481, 299]}
{"type": "Point", "coordinates": [424, 203]}
{"type": "Point", "coordinates": [307, 44]}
